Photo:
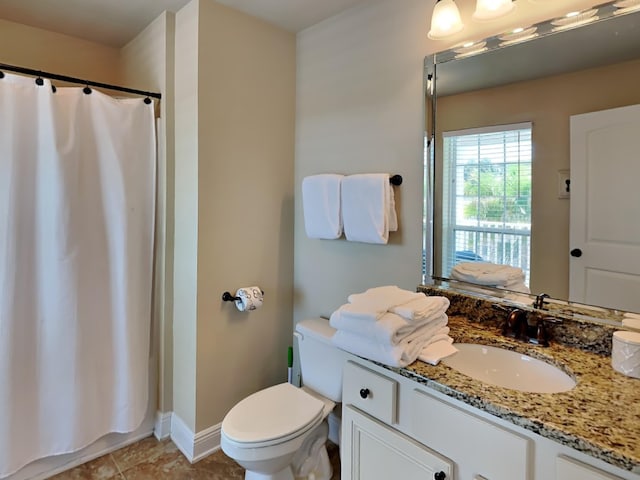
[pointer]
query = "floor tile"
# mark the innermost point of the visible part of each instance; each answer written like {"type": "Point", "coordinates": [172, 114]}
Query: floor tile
{"type": "Point", "coordinates": [103, 468]}
{"type": "Point", "coordinates": [147, 451]}
{"type": "Point", "coordinates": [151, 459]}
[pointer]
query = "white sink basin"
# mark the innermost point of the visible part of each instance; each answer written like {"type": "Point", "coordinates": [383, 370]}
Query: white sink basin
{"type": "Point", "coordinates": [508, 369]}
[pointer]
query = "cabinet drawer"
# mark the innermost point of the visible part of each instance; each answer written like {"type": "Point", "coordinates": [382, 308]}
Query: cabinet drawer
{"type": "Point", "coordinates": [370, 392]}
{"type": "Point", "coordinates": [570, 469]}
{"type": "Point", "coordinates": [488, 451]}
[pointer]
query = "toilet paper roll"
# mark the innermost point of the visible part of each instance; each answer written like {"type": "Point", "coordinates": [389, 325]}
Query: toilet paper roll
{"type": "Point", "coordinates": [250, 298]}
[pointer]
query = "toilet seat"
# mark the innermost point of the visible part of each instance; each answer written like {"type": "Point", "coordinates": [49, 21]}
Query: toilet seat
{"type": "Point", "coordinates": [271, 416]}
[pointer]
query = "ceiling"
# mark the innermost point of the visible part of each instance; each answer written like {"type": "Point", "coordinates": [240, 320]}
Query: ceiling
{"type": "Point", "coordinates": [115, 22]}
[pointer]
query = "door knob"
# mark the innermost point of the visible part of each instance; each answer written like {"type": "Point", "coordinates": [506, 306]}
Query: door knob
{"type": "Point", "coordinates": [576, 252]}
{"type": "Point", "coordinates": [364, 393]}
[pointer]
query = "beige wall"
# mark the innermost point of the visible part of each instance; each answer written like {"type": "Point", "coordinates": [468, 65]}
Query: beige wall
{"type": "Point", "coordinates": [548, 103]}
{"type": "Point", "coordinates": [148, 64]}
{"type": "Point", "coordinates": [39, 49]}
{"type": "Point", "coordinates": [235, 129]}
{"type": "Point", "coordinates": [245, 236]}
{"type": "Point", "coordinates": [360, 108]}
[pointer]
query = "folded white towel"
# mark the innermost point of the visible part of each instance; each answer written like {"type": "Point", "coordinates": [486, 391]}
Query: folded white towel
{"type": "Point", "coordinates": [322, 206]}
{"type": "Point", "coordinates": [368, 208]}
{"type": "Point", "coordinates": [631, 322]}
{"type": "Point", "coordinates": [422, 308]}
{"type": "Point", "coordinates": [485, 273]}
{"type": "Point", "coordinates": [399, 355]}
{"type": "Point", "coordinates": [375, 302]}
{"type": "Point", "coordinates": [436, 351]}
{"type": "Point", "coordinates": [442, 334]}
{"type": "Point", "coordinates": [390, 329]}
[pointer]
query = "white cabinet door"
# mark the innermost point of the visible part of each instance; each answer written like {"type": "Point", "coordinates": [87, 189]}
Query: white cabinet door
{"type": "Point", "coordinates": [570, 469]}
{"type": "Point", "coordinates": [373, 451]}
{"type": "Point", "coordinates": [604, 231]}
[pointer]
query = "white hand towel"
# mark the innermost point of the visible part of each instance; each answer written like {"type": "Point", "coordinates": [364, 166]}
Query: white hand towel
{"type": "Point", "coordinates": [391, 208]}
{"type": "Point", "coordinates": [485, 273]}
{"type": "Point", "coordinates": [436, 351]}
{"type": "Point", "coordinates": [375, 302]}
{"type": "Point", "coordinates": [631, 321]}
{"type": "Point", "coordinates": [422, 308]}
{"type": "Point", "coordinates": [399, 355]}
{"type": "Point", "coordinates": [390, 329]}
{"type": "Point", "coordinates": [366, 208]}
{"type": "Point", "coordinates": [322, 206]}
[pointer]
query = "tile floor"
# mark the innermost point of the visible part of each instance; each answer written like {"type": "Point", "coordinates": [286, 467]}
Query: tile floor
{"type": "Point", "coordinates": [151, 459]}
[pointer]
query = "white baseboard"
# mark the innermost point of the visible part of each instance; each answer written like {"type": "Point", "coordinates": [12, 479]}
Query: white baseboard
{"type": "Point", "coordinates": [195, 446]}
{"type": "Point", "coordinates": [162, 427]}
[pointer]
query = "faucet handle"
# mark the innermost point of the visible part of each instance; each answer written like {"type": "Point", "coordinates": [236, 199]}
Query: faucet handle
{"type": "Point", "coordinates": [539, 302]}
{"type": "Point", "coordinates": [516, 324]}
{"type": "Point", "coordinates": [542, 334]}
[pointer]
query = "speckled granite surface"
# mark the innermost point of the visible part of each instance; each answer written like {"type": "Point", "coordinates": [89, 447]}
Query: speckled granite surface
{"type": "Point", "coordinates": [600, 416]}
{"type": "Point", "coordinates": [572, 330]}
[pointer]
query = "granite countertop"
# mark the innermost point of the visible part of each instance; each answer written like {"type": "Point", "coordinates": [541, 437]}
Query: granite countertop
{"type": "Point", "coordinates": [600, 416]}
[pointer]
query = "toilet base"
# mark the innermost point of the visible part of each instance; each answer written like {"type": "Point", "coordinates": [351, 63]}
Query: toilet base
{"type": "Point", "coordinates": [285, 474]}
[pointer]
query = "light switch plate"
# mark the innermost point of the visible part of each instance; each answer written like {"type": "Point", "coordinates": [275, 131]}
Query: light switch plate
{"type": "Point", "coordinates": [564, 184]}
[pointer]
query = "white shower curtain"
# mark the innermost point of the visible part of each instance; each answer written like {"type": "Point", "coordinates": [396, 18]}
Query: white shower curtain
{"type": "Point", "coordinates": [77, 181]}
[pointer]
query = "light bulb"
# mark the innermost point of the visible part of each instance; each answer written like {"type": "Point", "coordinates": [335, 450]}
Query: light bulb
{"type": "Point", "coordinates": [490, 9]}
{"type": "Point", "coordinates": [445, 20]}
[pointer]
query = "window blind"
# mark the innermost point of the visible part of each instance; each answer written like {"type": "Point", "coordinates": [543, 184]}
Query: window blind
{"type": "Point", "coordinates": [487, 196]}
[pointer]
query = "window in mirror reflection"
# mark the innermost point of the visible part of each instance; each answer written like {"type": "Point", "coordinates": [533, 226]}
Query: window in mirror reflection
{"type": "Point", "coordinates": [487, 196]}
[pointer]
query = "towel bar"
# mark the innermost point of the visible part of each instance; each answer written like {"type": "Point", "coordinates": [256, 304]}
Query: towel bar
{"type": "Point", "coordinates": [396, 180]}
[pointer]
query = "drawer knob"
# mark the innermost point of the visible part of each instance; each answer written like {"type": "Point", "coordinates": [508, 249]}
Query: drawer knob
{"type": "Point", "coordinates": [440, 476]}
{"type": "Point", "coordinates": [364, 392]}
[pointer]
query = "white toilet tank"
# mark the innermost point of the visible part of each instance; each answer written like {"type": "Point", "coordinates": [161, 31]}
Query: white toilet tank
{"type": "Point", "coordinates": [320, 362]}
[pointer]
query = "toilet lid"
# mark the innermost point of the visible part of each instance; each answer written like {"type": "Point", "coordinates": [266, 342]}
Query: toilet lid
{"type": "Point", "coordinates": [272, 413]}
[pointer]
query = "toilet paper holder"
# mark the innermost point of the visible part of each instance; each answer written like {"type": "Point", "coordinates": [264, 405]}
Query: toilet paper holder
{"type": "Point", "coordinates": [227, 297]}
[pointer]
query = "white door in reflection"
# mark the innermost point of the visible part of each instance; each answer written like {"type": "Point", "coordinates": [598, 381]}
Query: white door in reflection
{"type": "Point", "coordinates": [605, 208]}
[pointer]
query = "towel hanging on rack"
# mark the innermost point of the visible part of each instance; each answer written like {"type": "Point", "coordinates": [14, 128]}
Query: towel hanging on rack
{"type": "Point", "coordinates": [368, 208]}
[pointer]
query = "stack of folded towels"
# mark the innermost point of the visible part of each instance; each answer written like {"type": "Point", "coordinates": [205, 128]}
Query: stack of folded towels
{"type": "Point", "coordinates": [631, 320]}
{"type": "Point", "coordinates": [394, 326]}
{"type": "Point", "coordinates": [491, 274]}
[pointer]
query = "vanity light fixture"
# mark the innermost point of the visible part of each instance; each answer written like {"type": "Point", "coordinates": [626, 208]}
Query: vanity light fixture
{"type": "Point", "coordinates": [626, 6]}
{"type": "Point", "coordinates": [574, 19]}
{"type": "Point", "coordinates": [470, 48]}
{"type": "Point", "coordinates": [445, 20]}
{"type": "Point", "coordinates": [518, 35]}
{"type": "Point", "coordinates": [490, 9]}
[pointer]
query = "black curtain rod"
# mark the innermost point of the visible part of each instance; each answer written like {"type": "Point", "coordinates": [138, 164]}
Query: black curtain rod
{"type": "Point", "coordinates": [64, 78]}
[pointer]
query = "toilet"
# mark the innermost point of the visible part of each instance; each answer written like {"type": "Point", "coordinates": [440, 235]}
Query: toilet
{"type": "Point", "coordinates": [280, 433]}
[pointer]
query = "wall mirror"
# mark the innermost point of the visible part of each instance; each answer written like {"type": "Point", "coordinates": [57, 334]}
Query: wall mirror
{"type": "Point", "coordinates": [505, 117]}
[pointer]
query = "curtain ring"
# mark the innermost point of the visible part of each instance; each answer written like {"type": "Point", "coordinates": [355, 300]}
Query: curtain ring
{"type": "Point", "coordinates": [87, 90]}
{"type": "Point", "coordinates": [39, 81]}
{"type": "Point", "coordinates": [147, 100]}
{"type": "Point", "coordinates": [1, 74]}
{"type": "Point", "coordinates": [54, 89]}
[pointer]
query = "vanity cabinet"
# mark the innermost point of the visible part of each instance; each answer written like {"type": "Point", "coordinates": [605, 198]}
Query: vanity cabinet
{"type": "Point", "coordinates": [397, 427]}
{"type": "Point", "coordinates": [371, 450]}
{"type": "Point", "coordinates": [570, 469]}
